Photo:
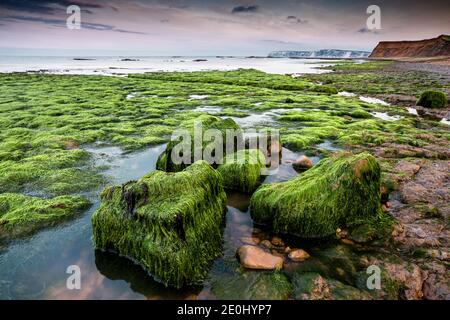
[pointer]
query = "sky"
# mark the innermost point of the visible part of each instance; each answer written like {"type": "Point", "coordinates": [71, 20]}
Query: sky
{"type": "Point", "coordinates": [208, 27]}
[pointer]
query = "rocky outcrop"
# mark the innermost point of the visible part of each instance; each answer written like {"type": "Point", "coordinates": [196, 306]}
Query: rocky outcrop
{"type": "Point", "coordinates": [169, 223]}
{"type": "Point", "coordinates": [339, 191]}
{"type": "Point", "coordinates": [429, 48]}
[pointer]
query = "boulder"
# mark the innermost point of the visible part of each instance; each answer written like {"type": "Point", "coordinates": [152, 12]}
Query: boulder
{"type": "Point", "coordinates": [165, 162]}
{"type": "Point", "coordinates": [241, 170]}
{"type": "Point", "coordinates": [168, 223]}
{"type": "Point", "coordinates": [253, 257]}
{"type": "Point", "coordinates": [303, 163]}
{"type": "Point", "coordinates": [432, 99]}
{"type": "Point", "coordinates": [339, 192]}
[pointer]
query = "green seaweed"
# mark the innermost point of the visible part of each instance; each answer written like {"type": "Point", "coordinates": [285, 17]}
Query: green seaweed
{"type": "Point", "coordinates": [224, 126]}
{"type": "Point", "coordinates": [169, 223]}
{"type": "Point", "coordinates": [432, 99]}
{"type": "Point", "coordinates": [340, 191]}
{"type": "Point", "coordinates": [22, 215]}
{"type": "Point", "coordinates": [242, 170]}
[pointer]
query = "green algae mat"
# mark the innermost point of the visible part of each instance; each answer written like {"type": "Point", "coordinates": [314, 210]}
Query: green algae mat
{"type": "Point", "coordinates": [170, 222]}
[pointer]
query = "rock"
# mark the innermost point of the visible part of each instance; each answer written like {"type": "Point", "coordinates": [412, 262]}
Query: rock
{"type": "Point", "coordinates": [303, 163]}
{"type": "Point", "coordinates": [188, 210]}
{"type": "Point", "coordinates": [339, 191]}
{"type": "Point", "coordinates": [312, 286]}
{"type": "Point", "coordinates": [250, 240]}
{"type": "Point", "coordinates": [407, 169]}
{"type": "Point", "coordinates": [432, 99]}
{"type": "Point", "coordinates": [437, 282]}
{"type": "Point", "coordinates": [277, 241]}
{"type": "Point", "coordinates": [267, 244]}
{"type": "Point", "coordinates": [253, 257]}
{"type": "Point", "coordinates": [252, 286]}
{"type": "Point", "coordinates": [241, 171]}
{"type": "Point", "coordinates": [165, 161]}
{"type": "Point", "coordinates": [399, 279]}
{"type": "Point", "coordinates": [287, 250]}
{"type": "Point", "coordinates": [298, 255]}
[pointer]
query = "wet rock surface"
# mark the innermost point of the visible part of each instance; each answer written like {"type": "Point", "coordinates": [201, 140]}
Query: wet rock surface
{"type": "Point", "coordinates": [253, 257]}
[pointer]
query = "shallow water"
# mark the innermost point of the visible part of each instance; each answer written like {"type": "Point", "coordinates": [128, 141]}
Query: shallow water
{"type": "Point", "coordinates": [373, 100]}
{"type": "Point", "coordinates": [385, 116]}
{"type": "Point", "coordinates": [115, 65]}
{"type": "Point", "coordinates": [35, 268]}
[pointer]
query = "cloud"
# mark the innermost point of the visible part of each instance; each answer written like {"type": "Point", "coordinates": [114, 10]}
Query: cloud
{"type": "Point", "coordinates": [48, 6]}
{"type": "Point", "coordinates": [281, 42]}
{"type": "Point", "coordinates": [62, 23]}
{"type": "Point", "coordinates": [367, 30]}
{"type": "Point", "coordinates": [241, 9]}
{"type": "Point", "coordinates": [296, 20]}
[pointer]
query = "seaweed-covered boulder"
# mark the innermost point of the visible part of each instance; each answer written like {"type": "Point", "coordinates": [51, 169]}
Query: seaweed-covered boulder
{"type": "Point", "coordinates": [340, 191]}
{"type": "Point", "coordinates": [241, 170]}
{"type": "Point", "coordinates": [169, 223]}
{"type": "Point", "coordinates": [165, 161]}
{"type": "Point", "coordinates": [21, 215]}
{"type": "Point", "coordinates": [432, 99]}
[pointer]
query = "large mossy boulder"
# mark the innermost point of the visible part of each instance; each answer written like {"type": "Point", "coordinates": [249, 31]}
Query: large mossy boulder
{"type": "Point", "coordinates": [241, 170]}
{"type": "Point", "coordinates": [165, 161]}
{"type": "Point", "coordinates": [170, 223]}
{"type": "Point", "coordinates": [432, 99]}
{"type": "Point", "coordinates": [21, 215]}
{"type": "Point", "coordinates": [340, 191]}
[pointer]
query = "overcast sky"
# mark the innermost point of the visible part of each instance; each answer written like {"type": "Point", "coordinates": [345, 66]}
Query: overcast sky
{"type": "Point", "coordinates": [202, 27]}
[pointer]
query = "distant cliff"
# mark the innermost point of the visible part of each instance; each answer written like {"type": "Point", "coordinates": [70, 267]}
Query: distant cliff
{"type": "Point", "coordinates": [430, 48]}
{"type": "Point", "coordinates": [325, 53]}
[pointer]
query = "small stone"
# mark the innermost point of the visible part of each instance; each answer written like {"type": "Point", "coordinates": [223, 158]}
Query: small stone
{"type": "Point", "coordinates": [303, 163]}
{"type": "Point", "coordinates": [298, 255]}
{"type": "Point", "coordinates": [267, 244]}
{"type": "Point", "coordinates": [253, 257]}
{"type": "Point", "coordinates": [276, 241]}
{"type": "Point", "coordinates": [341, 233]}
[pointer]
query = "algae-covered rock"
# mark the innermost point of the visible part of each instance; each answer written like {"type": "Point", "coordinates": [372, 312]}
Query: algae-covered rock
{"type": "Point", "coordinates": [340, 191]}
{"type": "Point", "coordinates": [21, 215]}
{"type": "Point", "coordinates": [432, 99]}
{"type": "Point", "coordinates": [252, 286]}
{"type": "Point", "coordinates": [198, 127]}
{"type": "Point", "coordinates": [312, 286]}
{"type": "Point", "coordinates": [169, 223]}
{"type": "Point", "coordinates": [241, 170]}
